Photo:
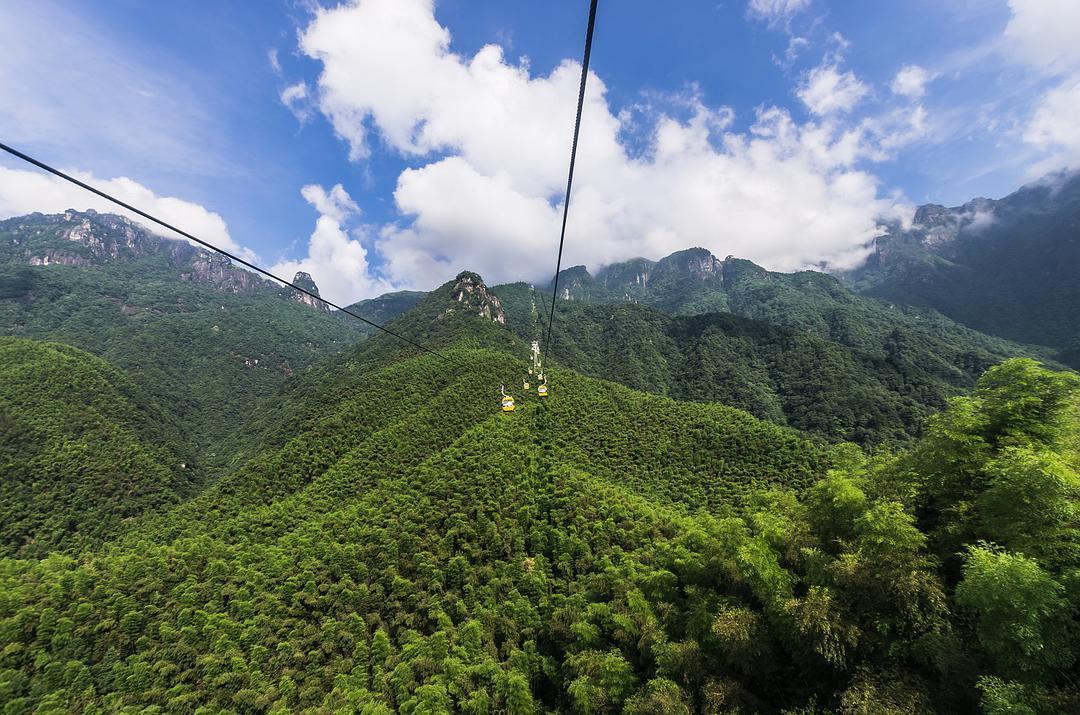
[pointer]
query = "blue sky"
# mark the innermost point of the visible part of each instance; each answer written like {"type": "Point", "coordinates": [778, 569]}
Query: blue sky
{"type": "Point", "coordinates": [379, 145]}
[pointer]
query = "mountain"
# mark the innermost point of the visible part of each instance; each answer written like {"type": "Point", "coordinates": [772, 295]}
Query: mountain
{"type": "Point", "coordinates": [399, 544]}
{"type": "Point", "coordinates": [1007, 267]}
{"type": "Point", "coordinates": [799, 349]}
{"type": "Point", "coordinates": [205, 339]}
{"type": "Point", "coordinates": [387, 306]}
{"type": "Point", "coordinates": [686, 282]}
{"type": "Point", "coordinates": [82, 448]}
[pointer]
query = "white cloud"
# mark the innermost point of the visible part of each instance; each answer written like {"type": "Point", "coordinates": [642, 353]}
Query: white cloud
{"type": "Point", "coordinates": [336, 203]}
{"type": "Point", "coordinates": [337, 262]}
{"type": "Point", "coordinates": [295, 97]}
{"type": "Point", "coordinates": [1055, 125]}
{"type": "Point", "coordinates": [827, 90]}
{"type": "Point", "coordinates": [25, 191]}
{"type": "Point", "coordinates": [910, 82]}
{"type": "Point", "coordinates": [775, 11]}
{"type": "Point", "coordinates": [495, 141]}
{"type": "Point", "coordinates": [1044, 33]}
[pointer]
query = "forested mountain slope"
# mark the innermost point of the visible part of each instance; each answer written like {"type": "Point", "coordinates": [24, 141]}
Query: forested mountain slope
{"type": "Point", "coordinates": [207, 340]}
{"type": "Point", "coordinates": [695, 282]}
{"type": "Point", "coordinates": [408, 547]}
{"type": "Point", "coordinates": [81, 449]}
{"type": "Point", "coordinates": [836, 364]}
{"type": "Point", "coordinates": [1007, 267]}
{"type": "Point", "coordinates": [387, 306]}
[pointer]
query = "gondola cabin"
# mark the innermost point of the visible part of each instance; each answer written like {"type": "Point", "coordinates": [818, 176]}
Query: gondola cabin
{"type": "Point", "coordinates": [507, 403]}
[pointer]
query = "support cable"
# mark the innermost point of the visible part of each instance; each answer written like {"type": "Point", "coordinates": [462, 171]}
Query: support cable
{"type": "Point", "coordinates": [570, 176]}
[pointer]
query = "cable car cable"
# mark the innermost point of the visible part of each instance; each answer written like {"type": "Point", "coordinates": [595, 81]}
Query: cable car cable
{"type": "Point", "coordinates": [185, 234]}
{"type": "Point", "coordinates": [570, 175]}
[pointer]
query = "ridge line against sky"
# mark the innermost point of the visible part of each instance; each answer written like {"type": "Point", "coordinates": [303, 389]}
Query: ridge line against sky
{"type": "Point", "coordinates": [425, 138]}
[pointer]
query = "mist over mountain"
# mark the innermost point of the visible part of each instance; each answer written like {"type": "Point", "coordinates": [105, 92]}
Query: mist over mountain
{"type": "Point", "coordinates": [1007, 267]}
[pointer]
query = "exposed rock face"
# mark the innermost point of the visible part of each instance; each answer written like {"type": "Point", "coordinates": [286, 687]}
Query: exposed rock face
{"type": "Point", "coordinates": [694, 262]}
{"type": "Point", "coordinates": [938, 226]}
{"type": "Point", "coordinates": [575, 283]}
{"type": "Point", "coordinates": [53, 257]}
{"type": "Point", "coordinates": [88, 238]}
{"type": "Point", "coordinates": [305, 281]}
{"type": "Point", "coordinates": [470, 291]}
{"type": "Point", "coordinates": [219, 271]}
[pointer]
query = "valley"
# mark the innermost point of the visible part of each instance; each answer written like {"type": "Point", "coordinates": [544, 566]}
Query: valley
{"type": "Point", "coordinates": [748, 493]}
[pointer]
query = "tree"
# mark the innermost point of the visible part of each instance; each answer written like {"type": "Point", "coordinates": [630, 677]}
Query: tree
{"type": "Point", "coordinates": [1030, 505]}
{"type": "Point", "coordinates": [1023, 621]}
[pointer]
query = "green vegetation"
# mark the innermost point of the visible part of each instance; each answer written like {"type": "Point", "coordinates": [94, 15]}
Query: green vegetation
{"type": "Point", "coordinates": [409, 548]}
{"type": "Point", "coordinates": [81, 449]}
{"type": "Point", "coordinates": [388, 306]}
{"type": "Point", "coordinates": [382, 538]}
{"type": "Point", "coordinates": [206, 349]}
{"type": "Point", "coordinates": [856, 371]}
{"type": "Point", "coordinates": [1012, 272]}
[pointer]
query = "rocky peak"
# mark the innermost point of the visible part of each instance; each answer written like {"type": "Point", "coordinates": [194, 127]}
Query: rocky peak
{"type": "Point", "coordinates": [469, 290]}
{"type": "Point", "coordinates": [218, 271]}
{"type": "Point", "coordinates": [304, 280]}
{"type": "Point", "coordinates": [629, 279]}
{"type": "Point", "coordinates": [930, 215]}
{"type": "Point", "coordinates": [575, 283]}
{"type": "Point", "coordinates": [697, 262]}
{"type": "Point", "coordinates": [940, 226]}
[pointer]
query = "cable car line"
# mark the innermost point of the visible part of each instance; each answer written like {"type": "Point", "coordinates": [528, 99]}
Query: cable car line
{"type": "Point", "coordinates": [570, 175]}
{"type": "Point", "coordinates": [507, 403]}
{"type": "Point", "coordinates": [67, 177]}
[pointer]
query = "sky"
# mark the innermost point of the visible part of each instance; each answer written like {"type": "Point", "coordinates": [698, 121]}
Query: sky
{"type": "Point", "coordinates": [389, 144]}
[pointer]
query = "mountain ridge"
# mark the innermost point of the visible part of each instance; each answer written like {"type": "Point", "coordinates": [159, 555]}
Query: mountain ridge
{"type": "Point", "coordinates": [1004, 266]}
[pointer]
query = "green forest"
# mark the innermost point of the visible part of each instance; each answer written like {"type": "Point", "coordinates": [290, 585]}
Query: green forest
{"type": "Point", "coordinates": [408, 548]}
{"type": "Point", "coordinates": [711, 512]}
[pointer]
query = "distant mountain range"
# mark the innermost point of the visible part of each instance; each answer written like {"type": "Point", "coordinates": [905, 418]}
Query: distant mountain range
{"type": "Point", "coordinates": [806, 349]}
{"type": "Point", "coordinates": [205, 338]}
{"type": "Point", "coordinates": [216, 497]}
{"type": "Point", "coordinates": [1008, 267]}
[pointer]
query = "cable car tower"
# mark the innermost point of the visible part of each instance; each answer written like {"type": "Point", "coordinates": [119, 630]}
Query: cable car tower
{"type": "Point", "coordinates": [537, 366]}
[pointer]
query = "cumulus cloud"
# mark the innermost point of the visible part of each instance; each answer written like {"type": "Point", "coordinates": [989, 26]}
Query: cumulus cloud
{"type": "Point", "coordinates": [827, 90]}
{"type": "Point", "coordinates": [910, 82]}
{"type": "Point", "coordinates": [488, 141]}
{"type": "Point", "coordinates": [1044, 33]}
{"type": "Point", "coordinates": [336, 203]}
{"type": "Point", "coordinates": [1055, 127]}
{"type": "Point", "coordinates": [26, 191]}
{"type": "Point", "coordinates": [775, 11]}
{"type": "Point", "coordinates": [336, 258]}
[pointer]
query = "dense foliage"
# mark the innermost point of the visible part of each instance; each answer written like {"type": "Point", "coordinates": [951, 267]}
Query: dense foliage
{"type": "Point", "coordinates": [81, 449]}
{"type": "Point", "coordinates": [384, 539]}
{"type": "Point", "coordinates": [410, 548]}
{"type": "Point", "coordinates": [202, 351]}
{"type": "Point", "coordinates": [858, 371]}
{"type": "Point", "coordinates": [386, 307]}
